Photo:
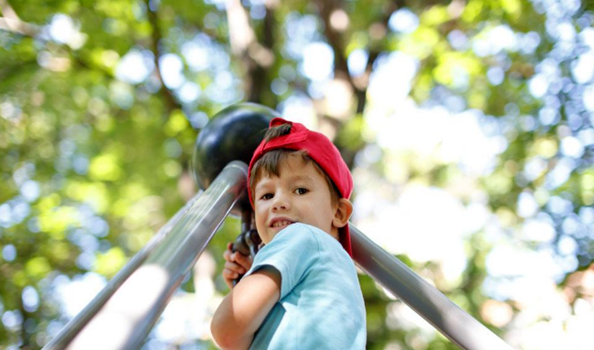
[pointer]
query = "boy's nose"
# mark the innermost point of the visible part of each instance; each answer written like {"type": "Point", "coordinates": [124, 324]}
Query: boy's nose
{"type": "Point", "coordinates": [280, 203]}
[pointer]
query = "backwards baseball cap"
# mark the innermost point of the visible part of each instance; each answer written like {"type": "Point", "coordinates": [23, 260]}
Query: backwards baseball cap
{"type": "Point", "coordinates": [322, 151]}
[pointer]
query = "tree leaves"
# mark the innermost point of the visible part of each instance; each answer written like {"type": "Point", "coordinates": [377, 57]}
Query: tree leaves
{"type": "Point", "coordinates": [101, 102]}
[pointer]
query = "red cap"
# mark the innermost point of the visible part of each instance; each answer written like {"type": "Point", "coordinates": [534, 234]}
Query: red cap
{"type": "Point", "coordinates": [322, 151]}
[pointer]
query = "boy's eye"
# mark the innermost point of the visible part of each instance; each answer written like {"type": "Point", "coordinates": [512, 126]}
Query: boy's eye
{"type": "Point", "coordinates": [301, 191]}
{"type": "Point", "coordinates": [266, 196]}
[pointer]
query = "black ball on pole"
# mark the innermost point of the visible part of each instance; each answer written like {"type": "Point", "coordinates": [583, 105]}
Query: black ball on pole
{"type": "Point", "coordinates": [234, 133]}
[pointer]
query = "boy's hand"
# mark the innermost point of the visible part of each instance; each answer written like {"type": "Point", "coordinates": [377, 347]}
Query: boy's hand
{"type": "Point", "coordinates": [236, 264]}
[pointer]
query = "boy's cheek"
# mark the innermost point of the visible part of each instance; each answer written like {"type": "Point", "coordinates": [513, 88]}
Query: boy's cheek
{"type": "Point", "coordinates": [261, 231]}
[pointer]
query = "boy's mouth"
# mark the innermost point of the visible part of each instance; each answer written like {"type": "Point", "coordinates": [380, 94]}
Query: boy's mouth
{"type": "Point", "coordinates": [280, 222]}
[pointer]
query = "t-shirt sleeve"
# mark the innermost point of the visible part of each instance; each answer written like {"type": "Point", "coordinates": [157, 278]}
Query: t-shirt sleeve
{"type": "Point", "coordinates": [292, 252]}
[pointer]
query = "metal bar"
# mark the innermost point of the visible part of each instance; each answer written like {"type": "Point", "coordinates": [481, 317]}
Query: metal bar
{"type": "Point", "coordinates": [82, 318]}
{"type": "Point", "coordinates": [128, 316]}
{"type": "Point", "coordinates": [423, 298]}
{"type": "Point", "coordinates": [127, 313]}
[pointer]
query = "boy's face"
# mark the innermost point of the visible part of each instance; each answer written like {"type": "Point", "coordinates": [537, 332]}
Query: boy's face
{"type": "Point", "coordinates": [299, 194]}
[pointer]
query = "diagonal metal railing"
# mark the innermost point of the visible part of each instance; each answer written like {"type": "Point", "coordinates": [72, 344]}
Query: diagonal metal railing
{"type": "Point", "coordinates": [79, 321]}
{"type": "Point", "coordinates": [124, 312]}
{"type": "Point", "coordinates": [122, 315]}
{"type": "Point", "coordinates": [437, 309]}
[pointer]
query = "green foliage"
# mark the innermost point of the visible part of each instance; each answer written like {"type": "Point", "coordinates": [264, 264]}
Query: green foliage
{"type": "Point", "coordinates": [92, 162]}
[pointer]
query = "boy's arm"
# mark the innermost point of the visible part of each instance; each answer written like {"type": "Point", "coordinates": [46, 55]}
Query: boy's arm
{"type": "Point", "coordinates": [244, 309]}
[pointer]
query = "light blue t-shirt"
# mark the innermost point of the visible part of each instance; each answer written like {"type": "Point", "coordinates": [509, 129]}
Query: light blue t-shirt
{"type": "Point", "coordinates": [321, 304]}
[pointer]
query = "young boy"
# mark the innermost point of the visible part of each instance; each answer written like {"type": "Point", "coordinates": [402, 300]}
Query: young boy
{"type": "Point", "coordinates": [302, 290]}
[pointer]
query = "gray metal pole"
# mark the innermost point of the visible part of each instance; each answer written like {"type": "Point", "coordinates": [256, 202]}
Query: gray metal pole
{"type": "Point", "coordinates": [423, 298]}
{"type": "Point", "coordinates": [128, 316]}
{"type": "Point", "coordinates": [130, 305]}
{"type": "Point", "coordinates": [84, 316]}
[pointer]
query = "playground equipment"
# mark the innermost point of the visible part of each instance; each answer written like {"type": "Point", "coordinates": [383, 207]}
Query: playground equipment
{"type": "Point", "coordinates": [124, 312]}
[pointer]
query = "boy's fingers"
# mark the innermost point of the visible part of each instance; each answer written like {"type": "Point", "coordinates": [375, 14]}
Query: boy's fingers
{"type": "Point", "coordinates": [244, 261]}
{"type": "Point", "coordinates": [229, 274]}
{"type": "Point", "coordinates": [229, 277]}
{"type": "Point", "coordinates": [231, 266]}
{"type": "Point", "coordinates": [229, 249]}
{"type": "Point", "coordinates": [236, 264]}
{"type": "Point", "coordinates": [229, 282]}
{"type": "Point", "coordinates": [227, 255]}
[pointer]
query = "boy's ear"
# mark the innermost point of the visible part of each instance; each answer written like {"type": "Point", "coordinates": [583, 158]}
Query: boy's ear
{"type": "Point", "coordinates": [343, 212]}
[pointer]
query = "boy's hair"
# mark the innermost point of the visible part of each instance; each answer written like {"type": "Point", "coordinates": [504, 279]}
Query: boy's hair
{"type": "Point", "coordinates": [285, 139]}
{"type": "Point", "coordinates": [269, 163]}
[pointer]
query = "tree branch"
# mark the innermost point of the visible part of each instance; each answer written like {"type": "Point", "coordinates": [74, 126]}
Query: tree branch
{"type": "Point", "coordinates": [327, 8]}
{"type": "Point", "coordinates": [336, 41]}
{"type": "Point", "coordinates": [256, 58]}
{"type": "Point", "coordinates": [375, 50]}
{"type": "Point", "coordinates": [241, 34]}
{"type": "Point", "coordinates": [335, 27]}
{"type": "Point", "coordinates": [171, 102]}
{"type": "Point", "coordinates": [12, 23]}
{"type": "Point", "coordinates": [259, 71]}
{"type": "Point", "coordinates": [19, 27]}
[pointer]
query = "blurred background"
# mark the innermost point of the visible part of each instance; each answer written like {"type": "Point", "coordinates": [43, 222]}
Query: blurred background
{"type": "Point", "coordinates": [468, 125]}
